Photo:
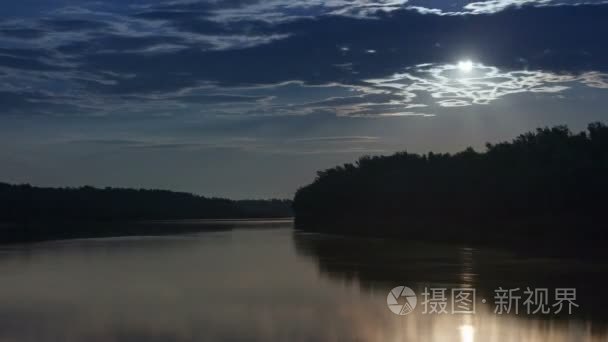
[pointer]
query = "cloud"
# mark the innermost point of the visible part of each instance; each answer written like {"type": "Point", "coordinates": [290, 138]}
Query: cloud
{"type": "Point", "coordinates": [166, 144]}
{"type": "Point", "coordinates": [339, 139]}
{"type": "Point", "coordinates": [448, 86]}
{"type": "Point", "coordinates": [209, 57]}
{"type": "Point", "coordinates": [67, 25]}
{"type": "Point", "coordinates": [295, 146]}
{"type": "Point", "coordinates": [492, 6]}
{"type": "Point", "coordinates": [21, 32]}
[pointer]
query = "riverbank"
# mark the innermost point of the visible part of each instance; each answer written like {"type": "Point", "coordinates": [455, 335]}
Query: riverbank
{"type": "Point", "coordinates": [37, 231]}
{"type": "Point", "coordinates": [564, 235]}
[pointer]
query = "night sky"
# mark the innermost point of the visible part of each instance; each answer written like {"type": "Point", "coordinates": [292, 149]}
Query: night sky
{"type": "Point", "coordinates": [249, 98]}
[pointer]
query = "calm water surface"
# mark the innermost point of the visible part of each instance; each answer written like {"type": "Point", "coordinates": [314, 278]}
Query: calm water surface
{"type": "Point", "coordinates": [265, 282]}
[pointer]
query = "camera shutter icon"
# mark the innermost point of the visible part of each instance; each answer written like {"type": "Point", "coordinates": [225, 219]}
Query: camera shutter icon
{"type": "Point", "coordinates": [401, 300]}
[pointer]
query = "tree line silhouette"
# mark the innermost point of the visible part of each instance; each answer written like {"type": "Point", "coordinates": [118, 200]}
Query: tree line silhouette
{"type": "Point", "coordinates": [547, 182]}
{"type": "Point", "coordinates": [30, 213]}
{"type": "Point", "coordinates": [23, 203]}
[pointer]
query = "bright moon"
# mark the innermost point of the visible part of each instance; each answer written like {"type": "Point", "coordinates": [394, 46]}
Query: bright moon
{"type": "Point", "coordinates": [465, 66]}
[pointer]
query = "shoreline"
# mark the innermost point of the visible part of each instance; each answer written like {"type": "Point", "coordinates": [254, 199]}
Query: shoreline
{"type": "Point", "coordinates": [38, 231]}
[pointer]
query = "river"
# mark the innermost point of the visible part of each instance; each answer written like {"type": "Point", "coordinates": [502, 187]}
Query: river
{"type": "Point", "coordinates": [263, 281]}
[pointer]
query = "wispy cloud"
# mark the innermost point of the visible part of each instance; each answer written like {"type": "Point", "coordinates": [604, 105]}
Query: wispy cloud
{"type": "Point", "coordinates": [340, 139]}
{"type": "Point", "coordinates": [493, 6]}
{"type": "Point", "coordinates": [448, 86]}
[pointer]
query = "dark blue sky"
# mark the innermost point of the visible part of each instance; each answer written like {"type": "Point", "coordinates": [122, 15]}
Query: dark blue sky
{"type": "Point", "coordinates": [248, 98]}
